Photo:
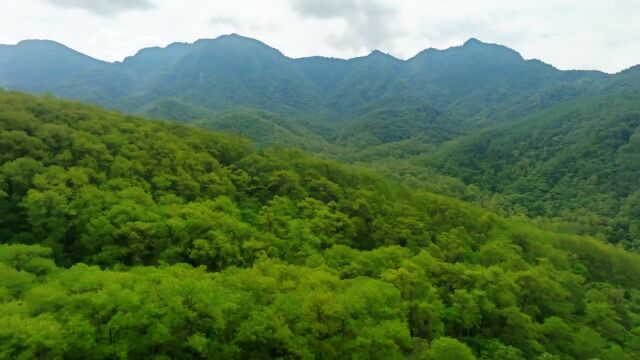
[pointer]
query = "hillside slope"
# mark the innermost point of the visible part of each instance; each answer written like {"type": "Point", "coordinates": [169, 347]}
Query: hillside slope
{"type": "Point", "coordinates": [40, 65]}
{"type": "Point", "coordinates": [478, 83]}
{"type": "Point", "coordinates": [391, 114]}
{"type": "Point", "coordinates": [577, 162]}
{"type": "Point", "coordinates": [210, 248]}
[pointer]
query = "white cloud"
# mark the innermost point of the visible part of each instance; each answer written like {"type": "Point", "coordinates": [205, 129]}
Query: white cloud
{"type": "Point", "coordinates": [369, 23]}
{"type": "Point", "coordinates": [593, 34]}
{"type": "Point", "coordinates": [104, 7]}
{"type": "Point", "coordinates": [224, 21]}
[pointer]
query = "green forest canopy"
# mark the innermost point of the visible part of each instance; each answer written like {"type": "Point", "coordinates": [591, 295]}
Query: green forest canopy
{"type": "Point", "coordinates": [123, 237]}
{"type": "Point", "coordinates": [577, 163]}
{"type": "Point", "coordinates": [418, 120]}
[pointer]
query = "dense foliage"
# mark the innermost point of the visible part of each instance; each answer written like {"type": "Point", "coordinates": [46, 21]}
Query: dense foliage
{"type": "Point", "coordinates": [438, 93]}
{"type": "Point", "coordinates": [391, 115]}
{"type": "Point", "coordinates": [176, 242]}
{"type": "Point", "coordinates": [577, 163]}
{"type": "Point", "coordinates": [266, 129]}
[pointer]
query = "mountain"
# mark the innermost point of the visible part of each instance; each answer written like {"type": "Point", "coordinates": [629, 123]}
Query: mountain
{"type": "Point", "coordinates": [125, 237]}
{"type": "Point", "coordinates": [476, 121]}
{"type": "Point", "coordinates": [577, 161]}
{"type": "Point", "coordinates": [478, 82]}
{"type": "Point", "coordinates": [39, 65]}
{"type": "Point", "coordinates": [267, 129]}
{"type": "Point", "coordinates": [394, 123]}
{"type": "Point", "coordinates": [221, 74]}
{"type": "Point", "coordinates": [483, 82]}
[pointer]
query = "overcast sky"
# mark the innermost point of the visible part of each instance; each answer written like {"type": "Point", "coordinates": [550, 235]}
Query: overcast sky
{"type": "Point", "coordinates": [569, 34]}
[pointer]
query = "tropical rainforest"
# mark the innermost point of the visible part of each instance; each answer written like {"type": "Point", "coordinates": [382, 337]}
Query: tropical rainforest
{"type": "Point", "coordinates": [219, 200]}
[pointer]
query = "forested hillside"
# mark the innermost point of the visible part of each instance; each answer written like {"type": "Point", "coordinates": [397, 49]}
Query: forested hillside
{"type": "Point", "coordinates": [473, 85]}
{"type": "Point", "coordinates": [36, 65]}
{"type": "Point", "coordinates": [577, 163]}
{"type": "Point", "coordinates": [124, 237]}
{"type": "Point", "coordinates": [379, 112]}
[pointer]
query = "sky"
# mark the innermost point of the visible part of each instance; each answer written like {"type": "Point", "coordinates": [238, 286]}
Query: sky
{"type": "Point", "coordinates": [569, 34]}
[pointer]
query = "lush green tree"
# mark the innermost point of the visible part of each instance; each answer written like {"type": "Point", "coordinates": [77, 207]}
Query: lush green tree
{"type": "Point", "coordinates": [176, 242]}
{"type": "Point", "coordinates": [445, 348]}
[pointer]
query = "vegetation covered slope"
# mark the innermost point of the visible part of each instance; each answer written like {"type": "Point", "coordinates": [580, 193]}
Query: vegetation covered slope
{"type": "Point", "coordinates": [389, 114]}
{"type": "Point", "coordinates": [177, 242]}
{"type": "Point", "coordinates": [577, 162]}
{"type": "Point", "coordinates": [266, 129]}
{"type": "Point", "coordinates": [478, 83]}
{"type": "Point", "coordinates": [36, 65]}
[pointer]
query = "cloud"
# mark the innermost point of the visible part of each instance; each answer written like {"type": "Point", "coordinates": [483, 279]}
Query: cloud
{"type": "Point", "coordinates": [568, 34]}
{"type": "Point", "coordinates": [224, 21]}
{"type": "Point", "coordinates": [456, 31]}
{"type": "Point", "coordinates": [368, 22]}
{"type": "Point", "coordinates": [104, 7]}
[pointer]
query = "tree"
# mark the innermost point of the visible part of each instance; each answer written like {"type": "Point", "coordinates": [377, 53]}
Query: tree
{"type": "Point", "coordinates": [445, 348]}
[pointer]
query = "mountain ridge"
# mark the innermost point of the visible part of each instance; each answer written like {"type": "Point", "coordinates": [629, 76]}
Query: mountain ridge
{"type": "Point", "coordinates": [233, 71]}
{"type": "Point", "coordinates": [469, 42]}
{"type": "Point", "coordinates": [379, 111]}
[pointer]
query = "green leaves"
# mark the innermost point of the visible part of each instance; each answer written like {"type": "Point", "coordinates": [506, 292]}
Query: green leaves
{"type": "Point", "coordinates": [448, 349]}
{"type": "Point", "coordinates": [208, 249]}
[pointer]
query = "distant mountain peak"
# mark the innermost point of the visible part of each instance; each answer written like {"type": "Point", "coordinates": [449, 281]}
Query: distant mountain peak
{"type": "Point", "coordinates": [472, 47]}
{"type": "Point", "coordinates": [376, 57]}
{"type": "Point", "coordinates": [42, 43]}
{"type": "Point", "coordinates": [42, 48]}
{"type": "Point", "coordinates": [473, 41]}
{"type": "Point", "coordinates": [236, 38]}
{"type": "Point", "coordinates": [376, 52]}
{"type": "Point", "coordinates": [38, 41]}
{"type": "Point", "coordinates": [238, 41]}
{"type": "Point", "coordinates": [380, 54]}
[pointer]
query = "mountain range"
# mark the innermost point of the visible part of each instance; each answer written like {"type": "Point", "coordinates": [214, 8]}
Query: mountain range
{"type": "Point", "coordinates": [463, 204]}
{"type": "Point", "coordinates": [233, 71]}
{"type": "Point", "coordinates": [476, 121]}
